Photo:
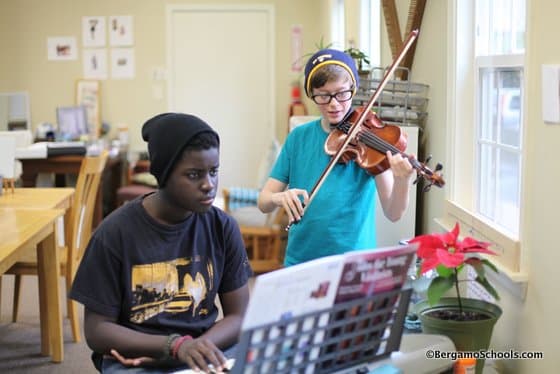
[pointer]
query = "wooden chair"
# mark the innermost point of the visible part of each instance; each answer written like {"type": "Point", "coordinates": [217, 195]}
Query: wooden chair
{"type": "Point", "coordinates": [265, 244]}
{"type": "Point", "coordinates": [81, 216]}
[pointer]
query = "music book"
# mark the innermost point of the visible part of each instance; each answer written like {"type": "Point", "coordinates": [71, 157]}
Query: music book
{"type": "Point", "coordinates": [367, 273]}
{"type": "Point", "coordinates": [317, 286]}
{"type": "Point", "coordinates": [293, 291]}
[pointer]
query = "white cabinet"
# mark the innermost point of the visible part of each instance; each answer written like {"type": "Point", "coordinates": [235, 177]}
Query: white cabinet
{"type": "Point", "coordinates": [402, 103]}
{"type": "Point", "coordinates": [390, 233]}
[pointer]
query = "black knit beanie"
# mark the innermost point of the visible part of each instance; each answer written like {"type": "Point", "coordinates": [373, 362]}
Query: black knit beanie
{"type": "Point", "coordinates": [167, 135]}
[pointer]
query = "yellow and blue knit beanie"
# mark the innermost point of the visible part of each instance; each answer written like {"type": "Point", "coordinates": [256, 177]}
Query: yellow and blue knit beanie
{"type": "Point", "coordinates": [326, 57]}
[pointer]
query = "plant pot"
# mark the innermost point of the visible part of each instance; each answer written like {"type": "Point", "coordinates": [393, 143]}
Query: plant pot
{"type": "Point", "coordinates": [466, 335]}
{"type": "Point", "coordinates": [364, 74]}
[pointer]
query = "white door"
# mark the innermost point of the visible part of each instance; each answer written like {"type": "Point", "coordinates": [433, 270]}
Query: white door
{"type": "Point", "coordinates": [221, 68]}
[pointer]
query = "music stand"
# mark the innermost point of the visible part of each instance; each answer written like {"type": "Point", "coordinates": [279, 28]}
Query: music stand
{"type": "Point", "coordinates": [358, 331]}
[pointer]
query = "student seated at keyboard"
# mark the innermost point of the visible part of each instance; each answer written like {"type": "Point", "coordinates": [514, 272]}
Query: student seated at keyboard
{"type": "Point", "coordinates": [154, 267]}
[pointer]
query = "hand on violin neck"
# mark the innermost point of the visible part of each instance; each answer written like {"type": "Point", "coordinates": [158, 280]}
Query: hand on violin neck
{"type": "Point", "coordinates": [400, 166]}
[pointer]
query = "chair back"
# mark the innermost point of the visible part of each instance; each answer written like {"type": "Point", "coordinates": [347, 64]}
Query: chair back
{"type": "Point", "coordinates": [83, 207]}
{"type": "Point", "coordinates": [265, 243]}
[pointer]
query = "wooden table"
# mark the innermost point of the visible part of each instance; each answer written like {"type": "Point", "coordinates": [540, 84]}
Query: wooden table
{"type": "Point", "coordinates": [38, 198]}
{"type": "Point", "coordinates": [25, 230]}
{"type": "Point", "coordinates": [42, 198]}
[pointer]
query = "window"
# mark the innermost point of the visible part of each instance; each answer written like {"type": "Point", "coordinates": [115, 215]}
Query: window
{"type": "Point", "coordinates": [486, 86]}
{"type": "Point", "coordinates": [370, 26]}
{"type": "Point", "coordinates": [338, 24]}
{"type": "Point", "coordinates": [367, 28]}
{"type": "Point", "coordinates": [499, 145]}
{"type": "Point", "coordinates": [499, 48]}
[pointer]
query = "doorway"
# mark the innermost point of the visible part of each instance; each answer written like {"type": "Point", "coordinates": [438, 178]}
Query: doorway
{"type": "Point", "coordinates": [221, 68]}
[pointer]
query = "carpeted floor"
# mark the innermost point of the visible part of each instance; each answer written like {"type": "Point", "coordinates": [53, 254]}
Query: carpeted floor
{"type": "Point", "coordinates": [20, 342]}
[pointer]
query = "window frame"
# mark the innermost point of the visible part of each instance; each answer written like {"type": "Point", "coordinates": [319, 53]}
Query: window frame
{"type": "Point", "coordinates": [462, 103]}
{"type": "Point", "coordinates": [497, 62]}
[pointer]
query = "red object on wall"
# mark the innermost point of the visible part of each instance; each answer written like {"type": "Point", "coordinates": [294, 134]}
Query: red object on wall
{"type": "Point", "coordinates": [297, 108]}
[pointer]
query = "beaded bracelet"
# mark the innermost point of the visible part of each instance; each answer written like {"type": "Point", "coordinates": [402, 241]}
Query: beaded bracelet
{"type": "Point", "coordinates": [177, 343]}
{"type": "Point", "coordinates": [167, 350]}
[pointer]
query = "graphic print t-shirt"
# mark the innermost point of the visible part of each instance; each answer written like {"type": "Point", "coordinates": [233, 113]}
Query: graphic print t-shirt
{"type": "Point", "coordinates": [158, 278]}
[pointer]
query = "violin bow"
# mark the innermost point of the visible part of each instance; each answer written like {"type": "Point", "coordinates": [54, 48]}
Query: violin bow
{"type": "Point", "coordinates": [355, 128]}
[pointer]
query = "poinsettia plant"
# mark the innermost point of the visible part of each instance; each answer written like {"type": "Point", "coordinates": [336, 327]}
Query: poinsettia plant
{"type": "Point", "coordinates": [448, 256]}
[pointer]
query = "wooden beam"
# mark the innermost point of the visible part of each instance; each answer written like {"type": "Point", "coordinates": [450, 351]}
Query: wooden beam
{"type": "Point", "coordinates": [415, 14]}
{"type": "Point", "coordinates": [414, 21]}
{"type": "Point", "coordinates": [393, 27]}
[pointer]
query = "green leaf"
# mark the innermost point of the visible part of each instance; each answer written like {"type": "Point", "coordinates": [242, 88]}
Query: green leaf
{"type": "Point", "coordinates": [488, 287]}
{"type": "Point", "coordinates": [477, 265]}
{"type": "Point", "coordinates": [321, 45]}
{"type": "Point", "coordinates": [490, 265]}
{"type": "Point", "coordinates": [444, 271]}
{"type": "Point", "coordinates": [438, 287]}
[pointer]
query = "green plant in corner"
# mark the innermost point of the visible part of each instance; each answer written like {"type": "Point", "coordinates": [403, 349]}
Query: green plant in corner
{"type": "Point", "coordinates": [449, 256]}
{"type": "Point", "coordinates": [359, 56]}
{"type": "Point", "coordinates": [321, 45]}
{"type": "Point", "coordinates": [318, 46]}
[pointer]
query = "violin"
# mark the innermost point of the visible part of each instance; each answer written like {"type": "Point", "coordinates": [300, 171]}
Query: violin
{"type": "Point", "coordinates": [369, 149]}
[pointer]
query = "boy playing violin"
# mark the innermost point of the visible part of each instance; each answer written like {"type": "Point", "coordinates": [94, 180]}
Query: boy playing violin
{"type": "Point", "coordinates": [342, 214]}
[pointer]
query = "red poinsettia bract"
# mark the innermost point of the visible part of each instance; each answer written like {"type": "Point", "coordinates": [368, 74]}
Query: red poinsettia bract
{"type": "Point", "coordinates": [446, 254]}
{"type": "Point", "coordinates": [446, 249]}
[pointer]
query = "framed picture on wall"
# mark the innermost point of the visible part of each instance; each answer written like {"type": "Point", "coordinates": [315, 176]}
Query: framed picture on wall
{"type": "Point", "coordinates": [122, 63]}
{"type": "Point", "coordinates": [88, 95]}
{"type": "Point", "coordinates": [121, 32]}
{"type": "Point", "coordinates": [62, 48]}
{"type": "Point", "coordinates": [95, 63]}
{"type": "Point", "coordinates": [93, 31]}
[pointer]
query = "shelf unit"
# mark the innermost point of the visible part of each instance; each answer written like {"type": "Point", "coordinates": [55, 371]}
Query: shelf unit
{"type": "Point", "coordinates": [401, 103]}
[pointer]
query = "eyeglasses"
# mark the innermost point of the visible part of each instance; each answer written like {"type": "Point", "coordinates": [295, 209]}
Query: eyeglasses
{"type": "Point", "coordinates": [341, 96]}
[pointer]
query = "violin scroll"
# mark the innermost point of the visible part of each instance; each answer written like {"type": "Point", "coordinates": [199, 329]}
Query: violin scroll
{"type": "Point", "coordinates": [434, 177]}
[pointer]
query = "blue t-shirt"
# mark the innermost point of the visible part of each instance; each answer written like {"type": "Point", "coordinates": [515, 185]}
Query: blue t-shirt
{"type": "Point", "coordinates": [341, 216]}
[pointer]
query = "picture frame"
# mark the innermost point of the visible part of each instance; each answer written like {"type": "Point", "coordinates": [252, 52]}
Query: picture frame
{"type": "Point", "coordinates": [121, 31]}
{"type": "Point", "coordinates": [122, 63]}
{"type": "Point", "coordinates": [95, 63]}
{"type": "Point", "coordinates": [88, 94]}
{"type": "Point", "coordinates": [93, 31]}
{"type": "Point", "coordinates": [62, 48]}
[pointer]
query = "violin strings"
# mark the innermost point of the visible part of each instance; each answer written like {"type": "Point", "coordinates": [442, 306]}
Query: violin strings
{"type": "Point", "coordinates": [381, 145]}
{"type": "Point", "coordinates": [375, 141]}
